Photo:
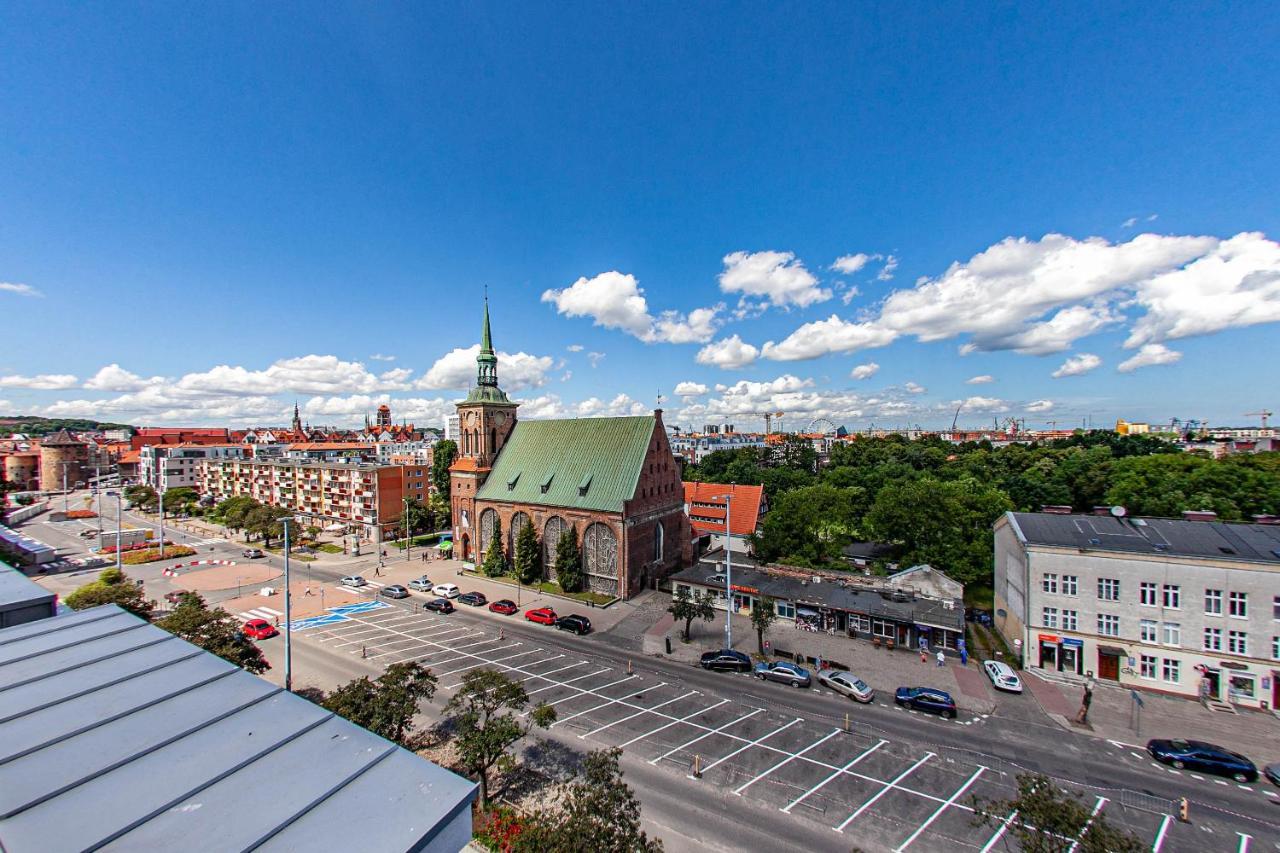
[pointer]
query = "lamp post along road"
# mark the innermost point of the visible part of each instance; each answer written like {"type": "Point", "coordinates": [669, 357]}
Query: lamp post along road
{"type": "Point", "coordinates": [288, 648]}
{"type": "Point", "coordinates": [161, 491]}
{"type": "Point", "coordinates": [408, 541]}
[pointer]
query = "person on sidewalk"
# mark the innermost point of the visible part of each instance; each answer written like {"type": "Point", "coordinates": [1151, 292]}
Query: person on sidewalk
{"type": "Point", "coordinates": [942, 659]}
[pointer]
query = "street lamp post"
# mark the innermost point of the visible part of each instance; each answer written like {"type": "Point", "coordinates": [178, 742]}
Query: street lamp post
{"type": "Point", "coordinates": [408, 541]}
{"type": "Point", "coordinates": [288, 614]}
{"type": "Point", "coordinates": [160, 492]}
{"type": "Point", "coordinates": [119, 523]}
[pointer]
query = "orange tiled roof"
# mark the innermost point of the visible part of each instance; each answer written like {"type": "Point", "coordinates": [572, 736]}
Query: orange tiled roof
{"type": "Point", "coordinates": [745, 507]}
{"type": "Point", "coordinates": [464, 463]}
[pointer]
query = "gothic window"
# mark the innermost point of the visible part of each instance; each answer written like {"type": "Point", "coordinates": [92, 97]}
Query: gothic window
{"type": "Point", "coordinates": [488, 524]}
{"type": "Point", "coordinates": [551, 533]}
{"type": "Point", "coordinates": [658, 537]}
{"type": "Point", "coordinates": [518, 521]}
{"type": "Point", "coordinates": [600, 556]}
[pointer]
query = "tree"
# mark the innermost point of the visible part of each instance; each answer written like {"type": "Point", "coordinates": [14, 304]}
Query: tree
{"type": "Point", "coordinates": [483, 727]}
{"type": "Point", "coordinates": [809, 526]}
{"type": "Point", "coordinates": [266, 521]}
{"type": "Point", "coordinates": [143, 497]}
{"type": "Point", "coordinates": [528, 555]}
{"type": "Point", "coordinates": [763, 615]}
{"type": "Point", "coordinates": [112, 587]}
{"type": "Point", "coordinates": [386, 705]}
{"type": "Point", "coordinates": [495, 562]}
{"type": "Point", "coordinates": [601, 813]}
{"type": "Point", "coordinates": [180, 500]}
{"type": "Point", "coordinates": [442, 455]}
{"type": "Point", "coordinates": [687, 606]}
{"type": "Point", "coordinates": [215, 631]}
{"type": "Point", "coordinates": [233, 511]}
{"type": "Point", "coordinates": [417, 516]}
{"type": "Point", "coordinates": [1050, 820]}
{"type": "Point", "coordinates": [568, 562]}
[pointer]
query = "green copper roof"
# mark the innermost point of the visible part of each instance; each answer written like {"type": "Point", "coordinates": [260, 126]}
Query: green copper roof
{"type": "Point", "coordinates": [587, 463]}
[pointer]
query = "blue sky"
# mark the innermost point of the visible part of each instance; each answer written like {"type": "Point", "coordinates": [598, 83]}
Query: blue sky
{"type": "Point", "coordinates": [209, 212]}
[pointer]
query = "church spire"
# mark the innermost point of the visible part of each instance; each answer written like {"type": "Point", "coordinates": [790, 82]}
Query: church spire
{"type": "Point", "coordinates": [487, 365]}
{"type": "Point", "coordinates": [297, 418]}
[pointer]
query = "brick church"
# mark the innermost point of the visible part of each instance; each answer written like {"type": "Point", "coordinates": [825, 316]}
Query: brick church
{"type": "Point", "coordinates": [613, 481]}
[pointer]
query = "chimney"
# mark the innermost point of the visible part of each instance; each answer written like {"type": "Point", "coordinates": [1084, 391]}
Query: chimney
{"type": "Point", "coordinates": [1199, 515]}
{"type": "Point", "coordinates": [1266, 519]}
{"type": "Point", "coordinates": [1056, 509]}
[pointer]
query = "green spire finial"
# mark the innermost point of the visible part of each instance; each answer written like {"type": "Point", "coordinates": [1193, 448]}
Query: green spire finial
{"type": "Point", "coordinates": [486, 340]}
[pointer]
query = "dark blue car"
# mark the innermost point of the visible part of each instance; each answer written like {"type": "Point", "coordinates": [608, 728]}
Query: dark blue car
{"type": "Point", "coordinates": [1205, 757]}
{"type": "Point", "coordinates": [926, 699]}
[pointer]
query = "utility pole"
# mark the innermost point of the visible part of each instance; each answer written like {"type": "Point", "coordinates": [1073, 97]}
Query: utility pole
{"type": "Point", "coordinates": [288, 648]}
{"type": "Point", "coordinates": [408, 542]}
{"type": "Point", "coordinates": [66, 507]}
{"type": "Point", "coordinates": [119, 524]}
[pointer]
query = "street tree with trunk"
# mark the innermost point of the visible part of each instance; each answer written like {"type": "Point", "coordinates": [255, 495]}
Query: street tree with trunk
{"type": "Point", "coordinates": [386, 705]}
{"type": "Point", "coordinates": [763, 615]}
{"type": "Point", "coordinates": [568, 562]}
{"type": "Point", "coordinates": [483, 713]}
{"type": "Point", "coordinates": [495, 562]}
{"type": "Point", "coordinates": [112, 586]}
{"type": "Point", "coordinates": [686, 606]}
{"type": "Point", "coordinates": [1047, 819]}
{"type": "Point", "coordinates": [215, 631]}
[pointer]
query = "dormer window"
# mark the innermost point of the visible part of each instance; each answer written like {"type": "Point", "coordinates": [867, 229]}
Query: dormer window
{"type": "Point", "coordinates": [511, 483]}
{"type": "Point", "coordinates": [583, 485]}
{"type": "Point", "coordinates": [546, 482]}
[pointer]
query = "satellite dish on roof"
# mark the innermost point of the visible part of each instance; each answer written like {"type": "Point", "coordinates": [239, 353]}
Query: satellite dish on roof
{"type": "Point", "coordinates": [1118, 511]}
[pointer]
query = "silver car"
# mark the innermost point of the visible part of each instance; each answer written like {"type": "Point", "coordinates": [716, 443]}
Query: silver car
{"type": "Point", "coordinates": [422, 584]}
{"type": "Point", "coordinates": [353, 580]}
{"type": "Point", "coordinates": [1002, 676]}
{"type": "Point", "coordinates": [847, 684]}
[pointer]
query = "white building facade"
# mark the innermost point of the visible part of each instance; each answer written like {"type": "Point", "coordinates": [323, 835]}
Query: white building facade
{"type": "Point", "coordinates": [1188, 607]}
{"type": "Point", "coordinates": [172, 466]}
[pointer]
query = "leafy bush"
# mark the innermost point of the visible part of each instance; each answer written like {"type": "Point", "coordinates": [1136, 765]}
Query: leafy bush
{"type": "Point", "coordinates": [150, 555]}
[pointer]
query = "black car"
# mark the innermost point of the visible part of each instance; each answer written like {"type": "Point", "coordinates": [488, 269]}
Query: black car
{"type": "Point", "coordinates": [726, 659]}
{"type": "Point", "coordinates": [439, 605]}
{"type": "Point", "coordinates": [394, 591]}
{"type": "Point", "coordinates": [573, 622]}
{"type": "Point", "coordinates": [926, 699]}
{"type": "Point", "coordinates": [1205, 757]}
{"type": "Point", "coordinates": [475, 599]}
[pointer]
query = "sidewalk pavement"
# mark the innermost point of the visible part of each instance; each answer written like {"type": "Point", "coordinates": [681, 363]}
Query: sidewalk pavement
{"type": "Point", "coordinates": [884, 670]}
{"type": "Point", "coordinates": [1112, 716]}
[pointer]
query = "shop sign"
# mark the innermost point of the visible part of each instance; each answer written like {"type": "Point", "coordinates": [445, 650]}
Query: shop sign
{"type": "Point", "coordinates": [1079, 644]}
{"type": "Point", "coordinates": [1230, 664]}
{"type": "Point", "coordinates": [1048, 638]}
{"type": "Point", "coordinates": [750, 590]}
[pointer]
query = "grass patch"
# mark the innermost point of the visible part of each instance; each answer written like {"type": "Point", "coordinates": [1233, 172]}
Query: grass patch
{"type": "Point", "coordinates": [979, 596]}
{"type": "Point", "coordinates": [329, 548]}
{"type": "Point", "coordinates": [551, 588]}
{"type": "Point", "coordinates": [418, 541]}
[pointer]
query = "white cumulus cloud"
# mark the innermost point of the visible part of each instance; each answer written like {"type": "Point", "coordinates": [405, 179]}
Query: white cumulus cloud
{"type": "Point", "coordinates": [823, 337]}
{"type": "Point", "coordinates": [729, 353]}
{"type": "Point", "coordinates": [914, 388]}
{"type": "Point", "coordinates": [984, 379]}
{"type": "Point", "coordinates": [615, 300]}
{"type": "Point", "coordinates": [113, 377]}
{"type": "Point", "coordinates": [864, 371]}
{"type": "Point", "coordinates": [42, 382]}
{"type": "Point", "coordinates": [778, 277]}
{"type": "Point", "coordinates": [1149, 355]}
{"type": "Point", "coordinates": [1077, 365]}
{"type": "Point", "coordinates": [18, 289]}
{"type": "Point", "coordinates": [1038, 406]}
{"type": "Point", "coordinates": [850, 264]}
{"type": "Point", "coordinates": [377, 356]}
{"type": "Point", "coordinates": [690, 389]}
{"type": "Point", "coordinates": [457, 368]}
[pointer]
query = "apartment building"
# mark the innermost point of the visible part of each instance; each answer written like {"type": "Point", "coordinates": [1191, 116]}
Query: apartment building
{"type": "Point", "coordinates": [418, 451]}
{"type": "Point", "coordinates": [1186, 606]}
{"type": "Point", "coordinates": [170, 466]}
{"type": "Point", "coordinates": [364, 498]}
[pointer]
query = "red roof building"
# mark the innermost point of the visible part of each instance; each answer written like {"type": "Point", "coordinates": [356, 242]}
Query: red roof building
{"type": "Point", "coordinates": [706, 507]}
{"type": "Point", "coordinates": [152, 436]}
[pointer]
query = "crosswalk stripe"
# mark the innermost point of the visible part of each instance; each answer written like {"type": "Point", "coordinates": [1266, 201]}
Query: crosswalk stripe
{"type": "Point", "coordinates": [272, 612]}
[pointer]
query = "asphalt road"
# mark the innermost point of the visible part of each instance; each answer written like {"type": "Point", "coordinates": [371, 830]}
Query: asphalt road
{"type": "Point", "coordinates": [777, 767]}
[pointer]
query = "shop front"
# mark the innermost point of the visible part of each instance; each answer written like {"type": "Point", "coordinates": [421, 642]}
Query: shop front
{"type": "Point", "coordinates": [1064, 654]}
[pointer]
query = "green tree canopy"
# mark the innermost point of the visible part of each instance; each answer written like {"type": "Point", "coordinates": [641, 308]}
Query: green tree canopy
{"type": "Point", "coordinates": [686, 607]}
{"type": "Point", "coordinates": [483, 713]}
{"type": "Point", "coordinates": [495, 561]}
{"type": "Point", "coordinates": [763, 615]}
{"type": "Point", "coordinates": [112, 587]}
{"type": "Point", "coordinates": [1048, 819]}
{"type": "Point", "coordinates": [599, 813]}
{"type": "Point", "coordinates": [386, 705]}
{"type": "Point", "coordinates": [809, 526]}
{"type": "Point", "coordinates": [528, 556]}
{"type": "Point", "coordinates": [418, 516]}
{"type": "Point", "coordinates": [215, 631]}
{"type": "Point", "coordinates": [568, 561]}
{"type": "Point", "coordinates": [442, 455]}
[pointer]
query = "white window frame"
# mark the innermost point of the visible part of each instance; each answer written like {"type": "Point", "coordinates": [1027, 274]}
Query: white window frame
{"type": "Point", "coordinates": [1170, 630]}
{"type": "Point", "coordinates": [1174, 666]}
{"type": "Point", "coordinates": [1070, 620]}
{"type": "Point", "coordinates": [1049, 583]}
{"type": "Point", "coordinates": [1049, 617]}
{"type": "Point", "coordinates": [1213, 602]}
{"type": "Point", "coordinates": [1147, 666]}
{"type": "Point", "coordinates": [1212, 639]}
{"type": "Point", "coordinates": [1108, 589]}
{"type": "Point", "coordinates": [1108, 625]}
{"type": "Point", "coordinates": [1148, 594]}
{"type": "Point", "coordinates": [1171, 592]}
{"type": "Point", "coordinates": [1238, 605]}
{"type": "Point", "coordinates": [1071, 585]}
{"type": "Point", "coordinates": [1238, 643]}
{"type": "Point", "coordinates": [1149, 631]}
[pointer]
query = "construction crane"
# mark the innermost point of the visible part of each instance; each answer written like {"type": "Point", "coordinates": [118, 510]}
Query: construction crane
{"type": "Point", "coordinates": [778, 416]}
{"type": "Point", "coordinates": [1264, 414]}
{"type": "Point", "coordinates": [768, 421]}
{"type": "Point", "coordinates": [957, 417]}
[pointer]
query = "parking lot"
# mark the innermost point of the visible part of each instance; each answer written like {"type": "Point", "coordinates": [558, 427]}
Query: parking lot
{"type": "Point", "coordinates": [869, 790]}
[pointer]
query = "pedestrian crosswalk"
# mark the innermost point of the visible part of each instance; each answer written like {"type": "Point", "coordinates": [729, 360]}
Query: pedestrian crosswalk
{"type": "Point", "coordinates": [261, 613]}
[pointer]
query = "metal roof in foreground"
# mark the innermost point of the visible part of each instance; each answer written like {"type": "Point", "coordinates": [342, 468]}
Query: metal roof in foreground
{"type": "Point", "coordinates": [116, 734]}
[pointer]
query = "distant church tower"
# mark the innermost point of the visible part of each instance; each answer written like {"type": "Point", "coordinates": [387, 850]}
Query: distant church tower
{"type": "Point", "coordinates": [486, 419]}
{"type": "Point", "coordinates": [384, 416]}
{"type": "Point", "coordinates": [297, 420]}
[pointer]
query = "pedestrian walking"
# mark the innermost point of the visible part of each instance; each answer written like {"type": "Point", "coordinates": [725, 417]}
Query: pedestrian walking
{"type": "Point", "coordinates": [924, 657]}
{"type": "Point", "coordinates": [942, 659]}
{"type": "Point", "coordinates": [964, 657]}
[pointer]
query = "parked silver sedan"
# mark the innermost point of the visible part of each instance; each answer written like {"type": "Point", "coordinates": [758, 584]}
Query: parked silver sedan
{"type": "Point", "coordinates": [1002, 676]}
{"type": "Point", "coordinates": [846, 684]}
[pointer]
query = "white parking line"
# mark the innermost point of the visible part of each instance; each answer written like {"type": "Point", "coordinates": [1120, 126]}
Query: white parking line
{"type": "Point", "coordinates": [607, 704]}
{"type": "Point", "coordinates": [456, 650]}
{"type": "Point", "coordinates": [1097, 807]}
{"type": "Point", "coordinates": [1244, 842]}
{"type": "Point", "coordinates": [745, 785]}
{"type": "Point", "coordinates": [456, 658]}
{"type": "Point", "coordinates": [950, 800]}
{"type": "Point", "coordinates": [582, 692]}
{"type": "Point", "coordinates": [1004, 826]}
{"type": "Point", "coordinates": [844, 769]}
{"type": "Point", "coordinates": [748, 745]}
{"type": "Point", "coordinates": [705, 735]}
{"type": "Point", "coordinates": [639, 713]}
{"type": "Point", "coordinates": [1164, 827]}
{"type": "Point", "coordinates": [458, 684]}
{"type": "Point", "coordinates": [499, 660]}
{"type": "Point", "coordinates": [673, 722]}
{"type": "Point", "coordinates": [884, 790]}
{"type": "Point", "coordinates": [555, 684]}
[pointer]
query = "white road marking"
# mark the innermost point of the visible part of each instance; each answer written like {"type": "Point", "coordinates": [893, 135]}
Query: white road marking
{"type": "Point", "coordinates": [844, 769]}
{"type": "Point", "coordinates": [884, 790]}
{"type": "Point", "coordinates": [452, 659]}
{"type": "Point", "coordinates": [950, 800]}
{"type": "Point", "coordinates": [1097, 807]}
{"type": "Point", "coordinates": [272, 612]}
{"type": "Point", "coordinates": [638, 714]}
{"type": "Point", "coordinates": [706, 735]}
{"type": "Point", "coordinates": [1164, 827]}
{"type": "Point", "coordinates": [582, 692]}
{"type": "Point", "coordinates": [745, 785]}
{"type": "Point", "coordinates": [458, 684]}
{"type": "Point", "coordinates": [749, 744]}
{"type": "Point", "coordinates": [607, 704]}
{"type": "Point", "coordinates": [1244, 842]}
{"type": "Point", "coordinates": [555, 684]}
{"type": "Point", "coordinates": [499, 660]}
{"type": "Point", "coordinates": [1197, 777]}
{"type": "Point", "coordinates": [1004, 825]}
{"type": "Point", "coordinates": [674, 722]}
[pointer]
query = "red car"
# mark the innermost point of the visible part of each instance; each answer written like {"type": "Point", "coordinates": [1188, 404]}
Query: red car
{"type": "Point", "coordinates": [505, 606]}
{"type": "Point", "coordinates": [543, 616]}
{"type": "Point", "coordinates": [259, 629]}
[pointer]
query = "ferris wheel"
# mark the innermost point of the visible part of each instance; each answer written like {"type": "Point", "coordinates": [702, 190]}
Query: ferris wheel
{"type": "Point", "coordinates": [821, 426]}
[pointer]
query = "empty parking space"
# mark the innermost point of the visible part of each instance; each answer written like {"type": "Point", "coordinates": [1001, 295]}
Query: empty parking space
{"type": "Point", "coordinates": [859, 787]}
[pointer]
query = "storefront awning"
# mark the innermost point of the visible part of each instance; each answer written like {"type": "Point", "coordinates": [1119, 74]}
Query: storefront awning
{"type": "Point", "coordinates": [1112, 650]}
{"type": "Point", "coordinates": [446, 545]}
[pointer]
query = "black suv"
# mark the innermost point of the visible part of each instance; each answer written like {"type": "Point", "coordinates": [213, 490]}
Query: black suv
{"type": "Point", "coordinates": [726, 659]}
{"type": "Point", "coordinates": [575, 623]}
{"type": "Point", "coordinates": [475, 599]}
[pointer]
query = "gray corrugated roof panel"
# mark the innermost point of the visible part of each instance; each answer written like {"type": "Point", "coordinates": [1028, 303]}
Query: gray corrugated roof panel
{"type": "Point", "coordinates": [18, 590]}
{"type": "Point", "coordinates": [1168, 536]}
{"type": "Point", "coordinates": [154, 744]}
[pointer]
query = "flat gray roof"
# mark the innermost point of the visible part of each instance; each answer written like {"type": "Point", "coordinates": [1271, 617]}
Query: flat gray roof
{"type": "Point", "coordinates": [115, 733]}
{"type": "Point", "coordinates": [18, 590]}
{"type": "Point", "coordinates": [1217, 540]}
